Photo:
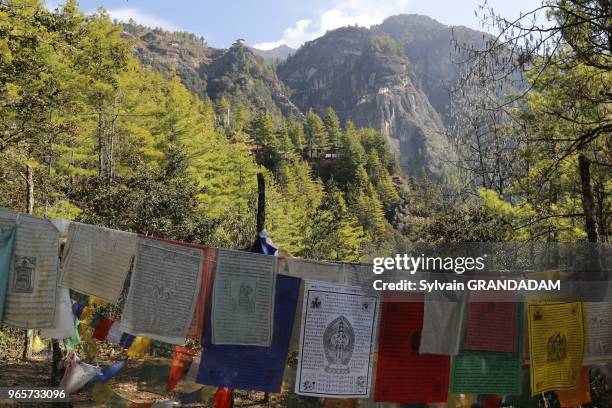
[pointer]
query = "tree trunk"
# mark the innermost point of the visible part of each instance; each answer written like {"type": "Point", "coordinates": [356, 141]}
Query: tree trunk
{"type": "Point", "coordinates": [588, 201]}
{"type": "Point", "coordinates": [57, 371]}
{"type": "Point", "coordinates": [29, 179]}
{"type": "Point", "coordinates": [27, 347]}
{"type": "Point", "coordinates": [111, 149]}
{"type": "Point", "coordinates": [30, 189]}
{"type": "Point", "coordinates": [261, 202]}
{"type": "Point", "coordinates": [100, 142]}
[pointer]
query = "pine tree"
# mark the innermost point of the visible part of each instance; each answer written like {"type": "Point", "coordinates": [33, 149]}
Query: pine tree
{"type": "Point", "coordinates": [333, 129]}
{"type": "Point", "coordinates": [335, 234]}
{"type": "Point", "coordinates": [315, 136]}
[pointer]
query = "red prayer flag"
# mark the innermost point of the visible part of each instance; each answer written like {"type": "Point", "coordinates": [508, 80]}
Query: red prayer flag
{"type": "Point", "coordinates": [181, 359]}
{"type": "Point", "coordinates": [402, 374]}
{"type": "Point", "coordinates": [491, 325]}
{"type": "Point", "coordinates": [102, 328]}
{"type": "Point", "coordinates": [224, 397]}
{"type": "Point", "coordinates": [492, 401]}
{"type": "Point", "coordinates": [201, 311]}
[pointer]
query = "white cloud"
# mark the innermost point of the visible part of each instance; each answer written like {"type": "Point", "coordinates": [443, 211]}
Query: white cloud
{"type": "Point", "coordinates": [125, 14]}
{"type": "Point", "coordinates": [344, 12]}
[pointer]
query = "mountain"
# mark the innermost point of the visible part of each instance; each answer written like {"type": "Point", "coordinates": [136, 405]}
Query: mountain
{"type": "Point", "coordinates": [236, 74]}
{"type": "Point", "coordinates": [242, 77]}
{"type": "Point", "coordinates": [429, 47]}
{"type": "Point", "coordinates": [164, 51]}
{"type": "Point", "coordinates": [368, 79]}
{"type": "Point", "coordinates": [275, 55]}
{"type": "Point", "coordinates": [393, 77]}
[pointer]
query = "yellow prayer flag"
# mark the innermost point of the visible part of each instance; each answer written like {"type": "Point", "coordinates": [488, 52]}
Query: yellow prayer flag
{"type": "Point", "coordinates": [94, 301]}
{"type": "Point", "coordinates": [556, 345]}
{"type": "Point", "coordinates": [38, 344]}
{"type": "Point", "coordinates": [460, 400]}
{"type": "Point", "coordinates": [87, 311]}
{"type": "Point", "coordinates": [101, 393]}
{"type": "Point", "coordinates": [139, 347]}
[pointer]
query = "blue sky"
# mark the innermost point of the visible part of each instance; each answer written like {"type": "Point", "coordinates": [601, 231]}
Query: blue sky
{"type": "Point", "coordinates": [268, 23]}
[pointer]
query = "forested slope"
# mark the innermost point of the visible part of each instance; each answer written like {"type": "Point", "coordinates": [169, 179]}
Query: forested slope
{"type": "Point", "coordinates": [88, 132]}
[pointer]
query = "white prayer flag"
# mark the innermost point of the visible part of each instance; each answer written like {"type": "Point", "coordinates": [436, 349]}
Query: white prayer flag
{"type": "Point", "coordinates": [163, 291]}
{"type": "Point", "coordinates": [96, 260]}
{"type": "Point", "coordinates": [63, 327]}
{"type": "Point", "coordinates": [243, 298]}
{"type": "Point", "coordinates": [337, 341]}
{"type": "Point", "coordinates": [32, 287]}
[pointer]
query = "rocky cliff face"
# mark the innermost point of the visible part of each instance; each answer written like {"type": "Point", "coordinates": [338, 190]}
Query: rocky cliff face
{"type": "Point", "coordinates": [393, 77]}
{"type": "Point", "coordinates": [429, 47]}
{"type": "Point", "coordinates": [236, 74]}
{"type": "Point", "coordinates": [368, 79]}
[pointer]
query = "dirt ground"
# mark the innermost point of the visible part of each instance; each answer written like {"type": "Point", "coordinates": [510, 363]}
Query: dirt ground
{"type": "Point", "coordinates": [138, 384]}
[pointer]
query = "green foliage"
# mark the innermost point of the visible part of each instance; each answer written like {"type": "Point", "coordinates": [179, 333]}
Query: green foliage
{"type": "Point", "coordinates": [332, 128]}
{"type": "Point", "coordinates": [335, 233]}
{"type": "Point", "coordinates": [384, 44]}
{"type": "Point", "coordinates": [98, 137]}
{"type": "Point", "coordinates": [315, 136]}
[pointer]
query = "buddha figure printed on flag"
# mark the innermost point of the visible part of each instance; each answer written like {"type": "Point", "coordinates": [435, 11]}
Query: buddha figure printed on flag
{"type": "Point", "coordinates": [338, 343]}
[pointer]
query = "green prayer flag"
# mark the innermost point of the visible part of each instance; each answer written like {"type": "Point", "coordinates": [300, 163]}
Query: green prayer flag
{"type": "Point", "coordinates": [72, 342]}
{"type": "Point", "coordinates": [7, 240]}
{"type": "Point", "coordinates": [489, 372]}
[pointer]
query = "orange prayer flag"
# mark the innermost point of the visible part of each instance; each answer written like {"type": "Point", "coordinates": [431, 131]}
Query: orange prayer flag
{"type": "Point", "coordinates": [578, 395]}
{"type": "Point", "coordinates": [181, 359]}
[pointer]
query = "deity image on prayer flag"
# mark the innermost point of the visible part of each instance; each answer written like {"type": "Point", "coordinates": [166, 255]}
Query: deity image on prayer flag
{"type": "Point", "coordinates": [25, 268]}
{"type": "Point", "coordinates": [315, 303]}
{"type": "Point", "coordinates": [338, 343]}
{"type": "Point", "coordinates": [243, 296]}
{"type": "Point", "coordinates": [556, 347]}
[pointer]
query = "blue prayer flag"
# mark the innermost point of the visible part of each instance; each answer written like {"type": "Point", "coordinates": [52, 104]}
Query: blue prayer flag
{"type": "Point", "coordinates": [254, 367]}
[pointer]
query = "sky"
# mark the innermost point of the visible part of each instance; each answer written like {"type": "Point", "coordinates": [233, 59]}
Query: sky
{"type": "Point", "coordinates": [266, 24]}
